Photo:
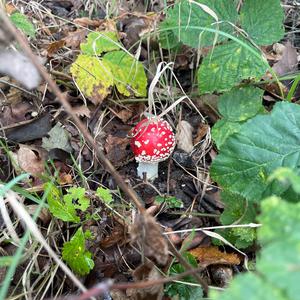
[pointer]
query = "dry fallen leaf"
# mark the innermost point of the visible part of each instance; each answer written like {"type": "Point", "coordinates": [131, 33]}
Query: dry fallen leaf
{"type": "Point", "coordinates": [75, 38]}
{"type": "Point", "coordinates": [147, 233]}
{"type": "Point", "coordinates": [82, 111]}
{"type": "Point", "coordinates": [85, 22]}
{"type": "Point", "coordinates": [212, 255]}
{"type": "Point", "coordinates": [184, 136]}
{"type": "Point", "coordinates": [29, 160]}
{"type": "Point", "coordinates": [116, 236]}
{"type": "Point", "coordinates": [54, 47]}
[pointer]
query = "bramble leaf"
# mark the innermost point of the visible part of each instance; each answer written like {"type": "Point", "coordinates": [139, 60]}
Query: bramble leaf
{"type": "Point", "coordinates": [256, 21]}
{"type": "Point", "coordinates": [213, 14]}
{"type": "Point", "coordinates": [22, 23]}
{"type": "Point", "coordinates": [227, 65]}
{"type": "Point", "coordinates": [263, 144]}
{"type": "Point", "coordinates": [93, 77]}
{"type": "Point", "coordinates": [76, 197]}
{"type": "Point", "coordinates": [128, 73]}
{"type": "Point", "coordinates": [75, 254]}
{"type": "Point", "coordinates": [99, 42]}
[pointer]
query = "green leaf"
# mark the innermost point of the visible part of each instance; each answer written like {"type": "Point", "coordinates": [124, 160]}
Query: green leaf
{"type": "Point", "coordinates": [241, 104]}
{"type": "Point", "coordinates": [180, 290]}
{"type": "Point", "coordinates": [22, 23]}
{"type": "Point", "coordinates": [93, 77]}
{"type": "Point", "coordinates": [279, 260]}
{"type": "Point", "coordinates": [99, 42]}
{"type": "Point", "coordinates": [227, 65]}
{"type": "Point", "coordinates": [167, 38]}
{"type": "Point", "coordinates": [128, 73]}
{"type": "Point", "coordinates": [58, 207]}
{"type": "Point", "coordinates": [262, 145]}
{"type": "Point", "coordinates": [263, 20]}
{"type": "Point", "coordinates": [287, 177]}
{"type": "Point", "coordinates": [58, 138]}
{"type": "Point", "coordinates": [171, 202]}
{"type": "Point", "coordinates": [213, 14]}
{"type": "Point", "coordinates": [250, 287]}
{"type": "Point", "coordinates": [105, 195]}
{"type": "Point", "coordinates": [64, 207]}
{"type": "Point", "coordinates": [76, 255]}
{"type": "Point", "coordinates": [76, 197]}
{"type": "Point", "coordinates": [238, 211]}
{"type": "Point", "coordinates": [222, 130]}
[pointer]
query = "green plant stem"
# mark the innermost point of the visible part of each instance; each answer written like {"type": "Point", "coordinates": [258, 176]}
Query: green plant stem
{"type": "Point", "coordinates": [293, 89]}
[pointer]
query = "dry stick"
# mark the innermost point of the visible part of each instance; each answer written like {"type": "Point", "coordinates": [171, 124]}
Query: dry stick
{"type": "Point", "coordinates": [101, 156]}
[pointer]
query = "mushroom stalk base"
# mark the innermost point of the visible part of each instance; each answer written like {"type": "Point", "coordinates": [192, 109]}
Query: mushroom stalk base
{"type": "Point", "coordinates": [151, 170]}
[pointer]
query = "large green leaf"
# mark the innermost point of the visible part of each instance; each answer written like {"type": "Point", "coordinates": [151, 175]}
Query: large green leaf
{"type": "Point", "coordinates": [263, 20]}
{"type": "Point", "coordinates": [240, 104]}
{"type": "Point", "coordinates": [213, 14]}
{"type": "Point", "coordinates": [278, 262]}
{"type": "Point", "coordinates": [227, 65]}
{"type": "Point", "coordinates": [22, 23]}
{"type": "Point", "coordinates": [128, 73]}
{"type": "Point", "coordinates": [263, 144]}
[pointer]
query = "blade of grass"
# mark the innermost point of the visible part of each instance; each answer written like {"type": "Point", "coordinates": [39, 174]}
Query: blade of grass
{"type": "Point", "coordinates": [293, 89]}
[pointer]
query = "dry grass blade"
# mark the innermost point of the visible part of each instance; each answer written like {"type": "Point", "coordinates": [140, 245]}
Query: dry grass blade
{"type": "Point", "coordinates": [21, 212]}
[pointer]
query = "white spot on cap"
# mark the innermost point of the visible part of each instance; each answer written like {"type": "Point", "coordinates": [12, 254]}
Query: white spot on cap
{"type": "Point", "coordinates": [146, 142]}
{"type": "Point", "coordinates": [159, 145]}
{"type": "Point", "coordinates": [138, 144]}
{"type": "Point", "coordinates": [143, 152]}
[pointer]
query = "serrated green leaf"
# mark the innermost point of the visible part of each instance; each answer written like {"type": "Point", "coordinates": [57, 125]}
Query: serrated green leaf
{"type": "Point", "coordinates": [263, 20]}
{"type": "Point", "coordinates": [99, 42]}
{"type": "Point", "coordinates": [105, 195]}
{"type": "Point", "coordinates": [128, 73]}
{"type": "Point", "coordinates": [222, 130]}
{"type": "Point", "coordinates": [93, 77]}
{"type": "Point", "coordinates": [237, 211]}
{"type": "Point", "coordinates": [262, 145]}
{"type": "Point", "coordinates": [76, 197]}
{"type": "Point", "coordinates": [58, 207]}
{"type": "Point", "coordinates": [213, 14]}
{"type": "Point", "coordinates": [22, 23]}
{"type": "Point", "coordinates": [278, 262]}
{"type": "Point", "coordinates": [227, 65]}
{"type": "Point", "coordinates": [76, 255]}
{"type": "Point", "coordinates": [180, 290]}
{"type": "Point", "coordinates": [58, 139]}
{"type": "Point", "coordinates": [240, 104]}
{"type": "Point", "coordinates": [167, 38]}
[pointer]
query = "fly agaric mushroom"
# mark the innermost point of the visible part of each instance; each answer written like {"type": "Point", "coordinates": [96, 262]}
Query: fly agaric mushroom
{"type": "Point", "coordinates": [152, 141]}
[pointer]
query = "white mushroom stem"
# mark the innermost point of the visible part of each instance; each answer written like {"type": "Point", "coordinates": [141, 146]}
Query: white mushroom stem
{"type": "Point", "coordinates": [151, 170]}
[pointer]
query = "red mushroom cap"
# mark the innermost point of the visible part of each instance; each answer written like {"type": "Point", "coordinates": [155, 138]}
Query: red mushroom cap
{"type": "Point", "coordinates": [152, 140]}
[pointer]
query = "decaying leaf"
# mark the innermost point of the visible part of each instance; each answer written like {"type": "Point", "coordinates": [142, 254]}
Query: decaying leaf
{"type": "Point", "coordinates": [74, 39]}
{"type": "Point", "coordinates": [55, 46]}
{"type": "Point", "coordinates": [184, 136]}
{"type": "Point", "coordinates": [58, 139]}
{"type": "Point", "coordinates": [147, 233]}
{"type": "Point", "coordinates": [28, 160]}
{"type": "Point", "coordinates": [82, 111]}
{"type": "Point", "coordinates": [212, 255]}
{"type": "Point", "coordinates": [93, 77]}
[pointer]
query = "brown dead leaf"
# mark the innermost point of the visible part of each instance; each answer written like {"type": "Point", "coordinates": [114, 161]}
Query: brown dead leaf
{"type": "Point", "coordinates": [75, 38]}
{"type": "Point", "coordinates": [288, 62]}
{"type": "Point", "coordinates": [54, 47]}
{"type": "Point", "coordinates": [85, 22]}
{"type": "Point", "coordinates": [10, 8]}
{"type": "Point", "coordinates": [184, 136]}
{"type": "Point", "coordinates": [147, 233]}
{"type": "Point", "coordinates": [44, 214]}
{"type": "Point", "coordinates": [212, 255]}
{"type": "Point", "coordinates": [29, 161]}
{"type": "Point", "coordinates": [146, 272]}
{"type": "Point", "coordinates": [65, 178]}
{"type": "Point", "coordinates": [201, 133]}
{"type": "Point", "coordinates": [116, 236]}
